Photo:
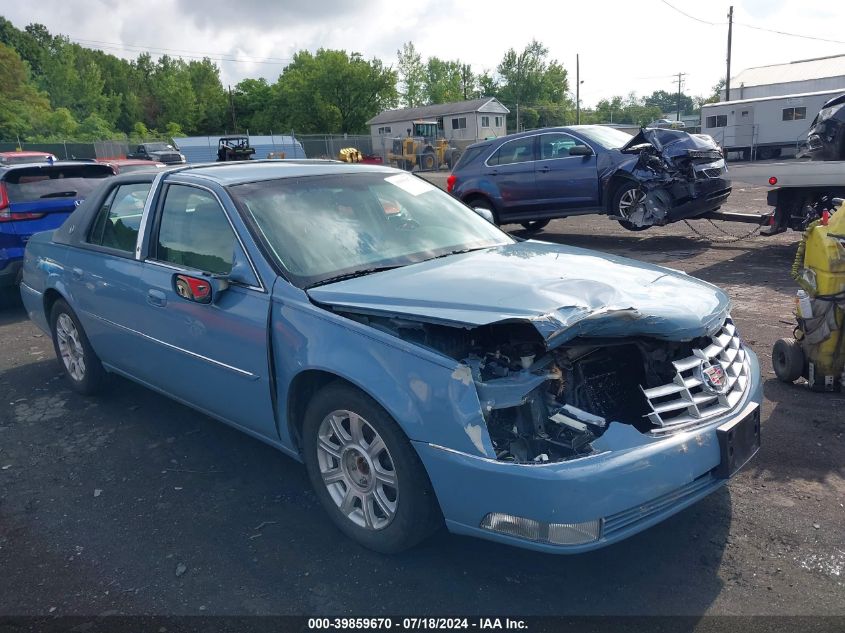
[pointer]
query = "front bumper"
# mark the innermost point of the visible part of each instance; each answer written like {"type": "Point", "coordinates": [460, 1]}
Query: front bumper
{"type": "Point", "coordinates": [709, 196]}
{"type": "Point", "coordinates": [637, 481]}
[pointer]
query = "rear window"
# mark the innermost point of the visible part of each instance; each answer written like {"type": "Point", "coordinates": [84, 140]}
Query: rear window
{"type": "Point", "coordinates": [36, 183]}
{"type": "Point", "coordinates": [469, 156]}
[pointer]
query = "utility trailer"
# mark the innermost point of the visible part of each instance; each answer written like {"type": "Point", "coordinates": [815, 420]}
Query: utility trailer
{"type": "Point", "coordinates": [764, 127]}
{"type": "Point", "coordinates": [799, 192]}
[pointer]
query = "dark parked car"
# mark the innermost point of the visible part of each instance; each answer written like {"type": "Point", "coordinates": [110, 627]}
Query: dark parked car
{"type": "Point", "coordinates": [347, 315]}
{"type": "Point", "coordinates": [39, 197]}
{"type": "Point", "coordinates": [160, 152]}
{"type": "Point", "coordinates": [653, 178]}
{"type": "Point", "coordinates": [826, 140]}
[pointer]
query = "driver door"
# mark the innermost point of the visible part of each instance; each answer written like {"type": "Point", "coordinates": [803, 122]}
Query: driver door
{"type": "Point", "coordinates": [211, 344]}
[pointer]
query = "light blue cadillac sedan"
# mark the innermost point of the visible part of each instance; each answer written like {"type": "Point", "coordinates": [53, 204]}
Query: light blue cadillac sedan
{"type": "Point", "coordinates": [426, 367]}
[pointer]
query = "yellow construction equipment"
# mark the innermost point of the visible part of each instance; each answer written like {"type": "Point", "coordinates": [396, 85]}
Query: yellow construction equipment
{"type": "Point", "coordinates": [422, 148]}
{"type": "Point", "coordinates": [817, 351]}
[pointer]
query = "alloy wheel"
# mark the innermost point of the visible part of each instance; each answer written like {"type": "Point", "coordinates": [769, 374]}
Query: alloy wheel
{"type": "Point", "coordinates": [70, 347]}
{"type": "Point", "coordinates": [630, 201]}
{"type": "Point", "coordinates": [357, 470]}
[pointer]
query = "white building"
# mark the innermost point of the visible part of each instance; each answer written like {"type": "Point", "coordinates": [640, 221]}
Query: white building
{"type": "Point", "coordinates": [798, 77]}
{"type": "Point", "coordinates": [460, 121]}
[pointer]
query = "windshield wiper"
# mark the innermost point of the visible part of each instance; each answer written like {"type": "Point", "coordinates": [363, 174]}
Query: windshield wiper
{"type": "Point", "coordinates": [352, 275]}
{"type": "Point", "coordinates": [459, 251]}
{"type": "Point", "coordinates": [59, 194]}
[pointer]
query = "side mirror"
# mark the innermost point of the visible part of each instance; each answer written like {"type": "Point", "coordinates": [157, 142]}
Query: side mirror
{"type": "Point", "coordinates": [581, 150]}
{"type": "Point", "coordinates": [487, 214]}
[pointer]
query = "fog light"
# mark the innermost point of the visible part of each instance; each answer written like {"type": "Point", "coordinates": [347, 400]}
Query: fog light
{"type": "Point", "coordinates": [513, 526]}
{"type": "Point", "coordinates": [554, 533]}
{"type": "Point", "coordinates": [574, 533]}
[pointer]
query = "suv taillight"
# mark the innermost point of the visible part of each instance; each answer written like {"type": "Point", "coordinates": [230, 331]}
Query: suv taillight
{"type": "Point", "coordinates": [6, 214]}
{"type": "Point", "coordinates": [450, 182]}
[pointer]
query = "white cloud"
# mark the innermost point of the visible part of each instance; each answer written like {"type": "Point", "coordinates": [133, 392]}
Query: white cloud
{"type": "Point", "coordinates": [624, 46]}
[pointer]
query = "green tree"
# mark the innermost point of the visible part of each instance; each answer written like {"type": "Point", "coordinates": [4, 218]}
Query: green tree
{"type": "Point", "coordinates": [23, 109]}
{"type": "Point", "coordinates": [469, 82]}
{"type": "Point", "coordinates": [529, 79]}
{"type": "Point", "coordinates": [333, 91]}
{"type": "Point", "coordinates": [95, 128]}
{"type": "Point", "coordinates": [668, 102]}
{"type": "Point", "coordinates": [255, 106]}
{"type": "Point", "coordinates": [412, 76]}
{"type": "Point", "coordinates": [442, 83]}
{"type": "Point", "coordinates": [211, 100]}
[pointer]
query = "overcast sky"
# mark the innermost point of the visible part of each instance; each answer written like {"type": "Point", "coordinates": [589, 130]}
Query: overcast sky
{"type": "Point", "coordinates": [624, 46]}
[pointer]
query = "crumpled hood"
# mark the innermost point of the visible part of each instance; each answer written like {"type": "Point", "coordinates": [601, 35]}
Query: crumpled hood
{"type": "Point", "coordinates": [563, 291]}
{"type": "Point", "coordinates": [671, 143]}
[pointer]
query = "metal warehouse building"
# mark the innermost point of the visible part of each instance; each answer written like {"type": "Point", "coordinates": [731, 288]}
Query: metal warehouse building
{"type": "Point", "coordinates": [203, 149]}
{"type": "Point", "coordinates": [802, 76]}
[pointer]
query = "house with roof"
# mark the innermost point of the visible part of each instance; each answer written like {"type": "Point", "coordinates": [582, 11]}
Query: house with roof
{"type": "Point", "coordinates": [802, 76]}
{"type": "Point", "coordinates": [459, 121]}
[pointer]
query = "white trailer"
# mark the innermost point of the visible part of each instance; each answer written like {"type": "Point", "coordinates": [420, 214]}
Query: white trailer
{"type": "Point", "coordinates": [766, 127]}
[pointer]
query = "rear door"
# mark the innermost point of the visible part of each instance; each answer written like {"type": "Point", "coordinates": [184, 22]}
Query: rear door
{"type": "Point", "coordinates": [563, 181]}
{"type": "Point", "coordinates": [511, 168]}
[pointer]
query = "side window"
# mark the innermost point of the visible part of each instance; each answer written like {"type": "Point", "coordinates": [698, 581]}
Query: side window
{"type": "Point", "coordinates": [518, 151]}
{"type": "Point", "coordinates": [557, 145]}
{"type": "Point", "coordinates": [119, 218]}
{"type": "Point", "coordinates": [194, 232]}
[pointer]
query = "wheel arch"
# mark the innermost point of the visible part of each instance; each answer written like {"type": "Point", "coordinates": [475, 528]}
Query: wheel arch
{"type": "Point", "coordinates": [617, 180]}
{"type": "Point", "coordinates": [51, 295]}
{"type": "Point", "coordinates": [477, 196]}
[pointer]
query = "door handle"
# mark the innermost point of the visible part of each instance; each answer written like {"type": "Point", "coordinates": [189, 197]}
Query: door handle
{"type": "Point", "coordinates": [545, 169]}
{"type": "Point", "coordinates": [156, 298]}
{"type": "Point", "coordinates": [492, 173]}
{"type": "Point", "coordinates": [76, 273]}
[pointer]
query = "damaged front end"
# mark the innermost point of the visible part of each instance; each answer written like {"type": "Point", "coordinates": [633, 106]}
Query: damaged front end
{"type": "Point", "coordinates": [545, 402]}
{"type": "Point", "coordinates": [677, 176]}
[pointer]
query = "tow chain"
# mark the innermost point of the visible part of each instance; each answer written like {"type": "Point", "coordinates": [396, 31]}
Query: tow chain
{"type": "Point", "coordinates": [731, 237]}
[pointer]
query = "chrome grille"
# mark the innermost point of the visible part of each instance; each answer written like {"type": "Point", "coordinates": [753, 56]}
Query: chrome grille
{"type": "Point", "coordinates": [688, 400]}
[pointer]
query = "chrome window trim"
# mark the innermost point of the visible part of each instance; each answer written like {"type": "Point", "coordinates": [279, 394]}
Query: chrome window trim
{"type": "Point", "coordinates": [486, 164]}
{"type": "Point", "coordinates": [145, 215]}
{"type": "Point", "coordinates": [260, 286]}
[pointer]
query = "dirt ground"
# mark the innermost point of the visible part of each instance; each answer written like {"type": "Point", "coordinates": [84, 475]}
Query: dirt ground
{"type": "Point", "coordinates": [130, 503]}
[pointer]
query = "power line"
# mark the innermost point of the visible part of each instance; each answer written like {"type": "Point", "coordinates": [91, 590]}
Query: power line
{"type": "Point", "coordinates": [751, 26]}
{"type": "Point", "coordinates": [221, 57]}
{"type": "Point", "coordinates": [691, 17]}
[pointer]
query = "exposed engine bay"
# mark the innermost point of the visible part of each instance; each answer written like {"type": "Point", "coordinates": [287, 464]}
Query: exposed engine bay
{"type": "Point", "coordinates": [545, 406]}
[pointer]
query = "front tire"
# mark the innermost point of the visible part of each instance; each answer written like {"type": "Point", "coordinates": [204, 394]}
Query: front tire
{"type": "Point", "coordinates": [79, 362]}
{"type": "Point", "coordinates": [625, 201]}
{"type": "Point", "coordinates": [428, 161]}
{"type": "Point", "coordinates": [364, 471]}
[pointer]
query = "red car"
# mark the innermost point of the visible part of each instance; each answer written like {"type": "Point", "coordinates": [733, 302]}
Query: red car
{"type": "Point", "coordinates": [17, 158]}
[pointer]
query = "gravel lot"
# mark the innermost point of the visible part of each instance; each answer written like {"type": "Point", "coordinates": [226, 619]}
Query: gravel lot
{"type": "Point", "coordinates": [133, 504]}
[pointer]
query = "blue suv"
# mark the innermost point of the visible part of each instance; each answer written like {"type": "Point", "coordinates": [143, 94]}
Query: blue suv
{"type": "Point", "coordinates": [649, 179]}
{"type": "Point", "coordinates": [39, 197]}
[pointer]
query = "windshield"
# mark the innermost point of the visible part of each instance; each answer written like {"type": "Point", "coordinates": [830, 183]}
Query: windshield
{"type": "Point", "coordinates": [323, 227]}
{"type": "Point", "coordinates": [607, 137]}
{"type": "Point", "coordinates": [160, 147]}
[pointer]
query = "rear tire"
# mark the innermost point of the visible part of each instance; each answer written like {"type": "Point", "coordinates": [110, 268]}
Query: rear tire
{"type": "Point", "coordinates": [535, 225]}
{"type": "Point", "coordinates": [353, 450]}
{"type": "Point", "coordinates": [788, 360]}
{"type": "Point", "coordinates": [79, 362]}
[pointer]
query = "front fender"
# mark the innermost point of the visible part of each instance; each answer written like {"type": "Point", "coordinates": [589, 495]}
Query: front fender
{"type": "Point", "coordinates": [431, 397]}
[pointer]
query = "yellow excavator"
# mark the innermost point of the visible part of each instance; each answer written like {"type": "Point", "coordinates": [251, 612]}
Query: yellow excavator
{"type": "Point", "coordinates": [422, 148]}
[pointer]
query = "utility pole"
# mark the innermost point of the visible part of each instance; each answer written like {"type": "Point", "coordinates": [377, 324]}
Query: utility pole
{"type": "Point", "coordinates": [232, 106]}
{"type": "Point", "coordinates": [517, 116]}
{"type": "Point", "coordinates": [680, 77]}
{"type": "Point", "coordinates": [577, 90]}
{"type": "Point", "coordinates": [728, 74]}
